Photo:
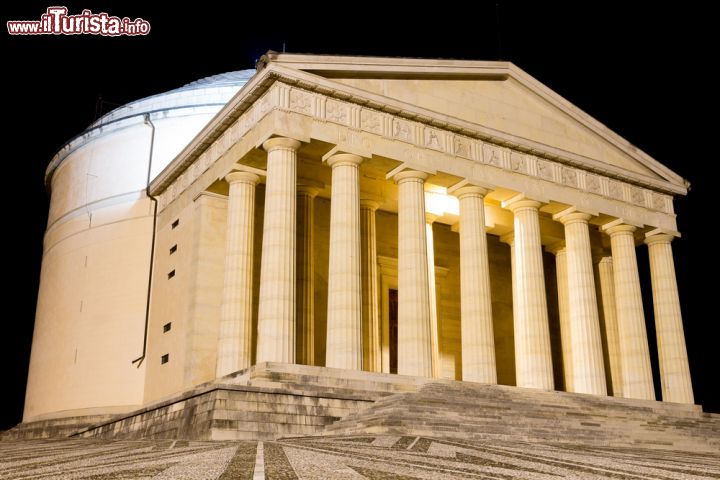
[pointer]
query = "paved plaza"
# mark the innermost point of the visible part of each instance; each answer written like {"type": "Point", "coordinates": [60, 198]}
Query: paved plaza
{"type": "Point", "coordinates": [368, 457]}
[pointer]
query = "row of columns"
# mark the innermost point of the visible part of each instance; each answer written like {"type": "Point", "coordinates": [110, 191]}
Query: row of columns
{"type": "Point", "coordinates": [353, 292]}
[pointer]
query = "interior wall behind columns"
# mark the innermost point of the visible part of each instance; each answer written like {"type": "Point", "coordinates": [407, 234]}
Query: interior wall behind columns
{"type": "Point", "coordinates": [257, 260]}
{"type": "Point", "coordinates": [501, 295]}
{"type": "Point", "coordinates": [554, 319]}
{"type": "Point", "coordinates": [447, 255]}
{"type": "Point", "coordinates": [322, 252]}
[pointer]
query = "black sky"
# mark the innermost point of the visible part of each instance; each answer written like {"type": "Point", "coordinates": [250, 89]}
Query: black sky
{"type": "Point", "coordinates": [644, 71]}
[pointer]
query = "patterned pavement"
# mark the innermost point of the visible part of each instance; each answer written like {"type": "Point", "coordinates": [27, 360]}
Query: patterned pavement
{"type": "Point", "coordinates": [359, 457]}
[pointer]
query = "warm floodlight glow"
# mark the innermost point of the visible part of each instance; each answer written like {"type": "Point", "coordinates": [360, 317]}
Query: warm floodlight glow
{"type": "Point", "coordinates": [439, 203]}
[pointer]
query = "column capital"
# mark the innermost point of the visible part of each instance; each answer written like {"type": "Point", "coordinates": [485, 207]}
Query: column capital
{"type": "Point", "coordinates": [410, 175]}
{"type": "Point", "coordinates": [520, 201]}
{"type": "Point", "coordinates": [431, 217]}
{"type": "Point", "coordinates": [599, 254]}
{"type": "Point", "coordinates": [276, 143]}
{"type": "Point", "coordinates": [619, 229]}
{"type": "Point", "coordinates": [508, 238]}
{"type": "Point", "coordinates": [556, 247]}
{"type": "Point", "coordinates": [469, 190]}
{"type": "Point", "coordinates": [659, 238]}
{"type": "Point", "coordinates": [309, 187]}
{"type": "Point", "coordinates": [369, 204]}
{"type": "Point", "coordinates": [606, 259]}
{"type": "Point", "coordinates": [343, 159]}
{"type": "Point", "coordinates": [572, 215]}
{"type": "Point", "coordinates": [242, 177]}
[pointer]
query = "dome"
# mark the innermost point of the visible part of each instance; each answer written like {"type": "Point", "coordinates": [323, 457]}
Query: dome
{"type": "Point", "coordinates": [208, 93]}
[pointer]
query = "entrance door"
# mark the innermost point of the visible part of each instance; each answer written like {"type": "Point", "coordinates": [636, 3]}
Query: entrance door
{"type": "Point", "coordinates": [393, 329]}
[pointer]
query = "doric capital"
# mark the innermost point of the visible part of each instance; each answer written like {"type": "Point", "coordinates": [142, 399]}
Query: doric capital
{"type": "Point", "coordinates": [470, 191]}
{"type": "Point", "coordinates": [556, 248]}
{"type": "Point", "coordinates": [605, 259]}
{"type": "Point", "coordinates": [659, 238]}
{"type": "Point", "coordinates": [520, 201]}
{"type": "Point", "coordinates": [344, 159]}
{"type": "Point", "coordinates": [571, 215]}
{"type": "Point", "coordinates": [281, 143]}
{"type": "Point", "coordinates": [508, 238]}
{"type": "Point", "coordinates": [242, 177]}
{"type": "Point", "coordinates": [410, 175]}
{"type": "Point", "coordinates": [619, 229]}
{"type": "Point", "coordinates": [309, 187]}
{"type": "Point", "coordinates": [369, 203]}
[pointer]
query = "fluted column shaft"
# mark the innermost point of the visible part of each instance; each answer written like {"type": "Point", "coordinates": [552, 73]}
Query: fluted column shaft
{"type": "Point", "coordinates": [305, 288]}
{"type": "Point", "coordinates": [476, 322]}
{"type": "Point", "coordinates": [636, 371]}
{"type": "Point", "coordinates": [370, 310]}
{"type": "Point", "coordinates": [607, 294]}
{"type": "Point", "coordinates": [276, 309]}
{"type": "Point", "coordinates": [564, 313]}
{"type": "Point", "coordinates": [235, 334]}
{"type": "Point", "coordinates": [674, 367]}
{"type": "Point", "coordinates": [344, 317]}
{"type": "Point", "coordinates": [414, 351]}
{"type": "Point", "coordinates": [533, 357]}
{"type": "Point", "coordinates": [434, 327]}
{"type": "Point", "coordinates": [587, 354]}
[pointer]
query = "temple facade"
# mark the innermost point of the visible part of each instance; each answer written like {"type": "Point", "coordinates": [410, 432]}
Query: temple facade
{"type": "Point", "coordinates": [432, 218]}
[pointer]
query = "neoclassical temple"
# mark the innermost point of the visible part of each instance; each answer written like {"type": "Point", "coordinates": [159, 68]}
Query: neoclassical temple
{"type": "Point", "coordinates": [433, 218]}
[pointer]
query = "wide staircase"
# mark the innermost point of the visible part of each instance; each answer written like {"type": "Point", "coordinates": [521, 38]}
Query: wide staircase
{"type": "Point", "coordinates": [264, 402]}
{"type": "Point", "coordinates": [273, 400]}
{"type": "Point", "coordinates": [473, 411]}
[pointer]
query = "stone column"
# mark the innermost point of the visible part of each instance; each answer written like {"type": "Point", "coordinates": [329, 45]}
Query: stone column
{"type": "Point", "coordinates": [370, 307]}
{"type": "Point", "coordinates": [587, 354]}
{"type": "Point", "coordinates": [344, 317]}
{"type": "Point", "coordinates": [634, 351]}
{"type": "Point", "coordinates": [674, 367]}
{"type": "Point", "coordinates": [276, 309]}
{"type": "Point", "coordinates": [414, 350]}
{"type": "Point", "coordinates": [235, 333]}
{"type": "Point", "coordinates": [432, 293]}
{"type": "Point", "coordinates": [533, 357]}
{"type": "Point", "coordinates": [476, 322]}
{"type": "Point", "coordinates": [560, 253]}
{"type": "Point", "coordinates": [305, 289]}
{"type": "Point", "coordinates": [607, 295]}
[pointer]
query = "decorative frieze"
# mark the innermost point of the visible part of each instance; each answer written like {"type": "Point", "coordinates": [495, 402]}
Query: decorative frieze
{"type": "Point", "coordinates": [517, 162]}
{"type": "Point", "coordinates": [545, 170]}
{"type": "Point", "coordinates": [569, 177]}
{"type": "Point", "coordinates": [371, 121]}
{"type": "Point", "coordinates": [363, 119]}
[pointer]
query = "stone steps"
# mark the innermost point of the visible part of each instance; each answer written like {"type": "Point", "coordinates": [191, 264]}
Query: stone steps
{"type": "Point", "coordinates": [264, 402]}
{"type": "Point", "coordinates": [53, 428]}
{"type": "Point", "coordinates": [270, 401]}
{"type": "Point", "coordinates": [474, 411]}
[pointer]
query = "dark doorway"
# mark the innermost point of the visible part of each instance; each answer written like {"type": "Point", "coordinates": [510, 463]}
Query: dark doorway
{"type": "Point", "coordinates": [393, 321]}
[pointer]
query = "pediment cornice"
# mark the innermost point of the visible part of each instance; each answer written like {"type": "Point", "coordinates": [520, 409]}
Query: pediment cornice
{"type": "Point", "coordinates": [426, 119]}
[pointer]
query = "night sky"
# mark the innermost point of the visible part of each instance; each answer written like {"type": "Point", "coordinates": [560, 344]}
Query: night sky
{"type": "Point", "coordinates": [642, 71]}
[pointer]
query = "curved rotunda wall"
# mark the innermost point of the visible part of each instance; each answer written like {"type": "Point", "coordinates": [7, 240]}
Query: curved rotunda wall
{"type": "Point", "coordinates": [90, 318]}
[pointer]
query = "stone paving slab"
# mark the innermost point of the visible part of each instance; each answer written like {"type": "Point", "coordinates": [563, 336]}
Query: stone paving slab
{"type": "Point", "coordinates": [347, 457]}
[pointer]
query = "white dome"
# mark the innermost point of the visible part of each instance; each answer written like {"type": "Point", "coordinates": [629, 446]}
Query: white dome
{"type": "Point", "coordinates": [210, 92]}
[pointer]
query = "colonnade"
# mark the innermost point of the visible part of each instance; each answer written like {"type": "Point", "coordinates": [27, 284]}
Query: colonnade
{"type": "Point", "coordinates": [285, 296]}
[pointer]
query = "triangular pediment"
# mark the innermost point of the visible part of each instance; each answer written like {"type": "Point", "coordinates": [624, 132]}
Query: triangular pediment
{"type": "Point", "coordinates": [497, 96]}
